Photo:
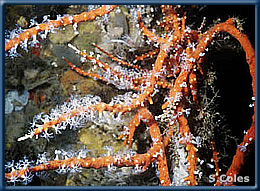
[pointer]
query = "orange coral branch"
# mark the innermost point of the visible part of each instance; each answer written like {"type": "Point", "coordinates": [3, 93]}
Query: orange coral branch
{"type": "Point", "coordinates": [148, 33]}
{"type": "Point", "coordinates": [88, 162]}
{"type": "Point", "coordinates": [228, 26]}
{"type": "Point", "coordinates": [64, 21]}
{"type": "Point", "coordinates": [241, 152]}
{"type": "Point", "coordinates": [83, 73]}
{"type": "Point", "coordinates": [176, 91]}
{"type": "Point", "coordinates": [147, 55]}
{"type": "Point", "coordinates": [191, 158]}
{"type": "Point", "coordinates": [193, 85]}
{"type": "Point", "coordinates": [242, 38]}
{"type": "Point", "coordinates": [155, 133]}
{"type": "Point", "coordinates": [215, 159]}
{"type": "Point", "coordinates": [117, 59]}
{"type": "Point", "coordinates": [135, 122]}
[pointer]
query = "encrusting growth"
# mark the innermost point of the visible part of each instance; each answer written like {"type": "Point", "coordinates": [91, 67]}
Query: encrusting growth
{"type": "Point", "coordinates": [175, 69]}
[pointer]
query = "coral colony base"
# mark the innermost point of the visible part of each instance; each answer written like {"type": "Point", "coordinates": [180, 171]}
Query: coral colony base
{"type": "Point", "coordinates": [174, 69]}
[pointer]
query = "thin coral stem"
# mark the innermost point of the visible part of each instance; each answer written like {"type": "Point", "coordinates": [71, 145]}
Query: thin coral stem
{"type": "Point", "coordinates": [135, 122]}
{"type": "Point", "coordinates": [193, 85]}
{"type": "Point", "coordinates": [82, 72]}
{"type": "Point", "coordinates": [183, 26]}
{"type": "Point", "coordinates": [117, 59]}
{"type": "Point", "coordinates": [96, 61]}
{"type": "Point", "coordinates": [147, 55]}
